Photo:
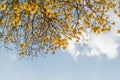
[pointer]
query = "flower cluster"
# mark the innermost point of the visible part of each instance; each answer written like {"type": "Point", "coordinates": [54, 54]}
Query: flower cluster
{"type": "Point", "coordinates": [43, 26]}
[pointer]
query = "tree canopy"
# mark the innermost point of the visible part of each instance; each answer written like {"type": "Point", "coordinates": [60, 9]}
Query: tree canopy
{"type": "Point", "coordinates": [44, 26]}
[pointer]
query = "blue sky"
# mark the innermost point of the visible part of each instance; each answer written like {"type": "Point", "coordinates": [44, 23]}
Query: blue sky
{"type": "Point", "coordinates": [60, 66]}
{"type": "Point", "coordinates": [99, 60]}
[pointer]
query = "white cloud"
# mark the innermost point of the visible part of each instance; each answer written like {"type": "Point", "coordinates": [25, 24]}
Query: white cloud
{"type": "Point", "coordinates": [72, 49]}
{"type": "Point", "coordinates": [105, 44]}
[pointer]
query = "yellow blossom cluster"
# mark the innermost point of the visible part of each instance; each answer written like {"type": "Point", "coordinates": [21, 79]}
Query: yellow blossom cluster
{"type": "Point", "coordinates": [43, 26]}
{"type": "Point", "coordinates": [2, 6]}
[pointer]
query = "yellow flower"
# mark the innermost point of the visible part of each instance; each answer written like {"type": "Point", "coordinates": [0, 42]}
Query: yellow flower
{"type": "Point", "coordinates": [11, 23]}
{"type": "Point", "coordinates": [15, 7]}
{"type": "Point", "coordinates": [51, 3]}
{"type": "Point", "coordinates": [27, 13]}
{"type": "Point", "coordinates": [81, 28]}
{"type": "Point", "coordinates": [27, 7]}
{"type": "Point", "coordinates": [108, 29]}
{"type": "Point", "coordinates": [2, 23]}
{"type": "Point", "coordinates": [70, 38]}
{"type": "Point", "coordinates": [6, 40]}
{"type": "Point", "coordinates": [2, 7]}
{"type": "Point", "coordinates": [18, 22]}
{"type": "Point", "coordinates": [35, 6]}
{"type": "Point", "coordinates": [113, 23]}
{"type": "Point", "coordinates": [21, 7]}
{"type": "Point", "coordinates": [16, 17]}
{"type": "Point", "coordinates": [49, 15]}
{"type": "Point", "coordinates": [33, 11]}
{"type": "Point", "coordinates": [58, 5]}
{"type": "Point", "coordinates": [23, 53]}
{"type": "Point", "coordinates": [115, 11]}
{"type": "Point", "coordinates": [118, 31]}
{"type": "Point", "coordinates": [46, 9]}
{"type": "Point", "coordinates": [111, 5]}
{"type": "Point", "coordinates": [16, 10]}
{"type": "Point", "coordinates": [118, 15]}
{"type": "Point", "coordinates": [70, 9]}
{"type": "Point", "coordinates": [23, 46]}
